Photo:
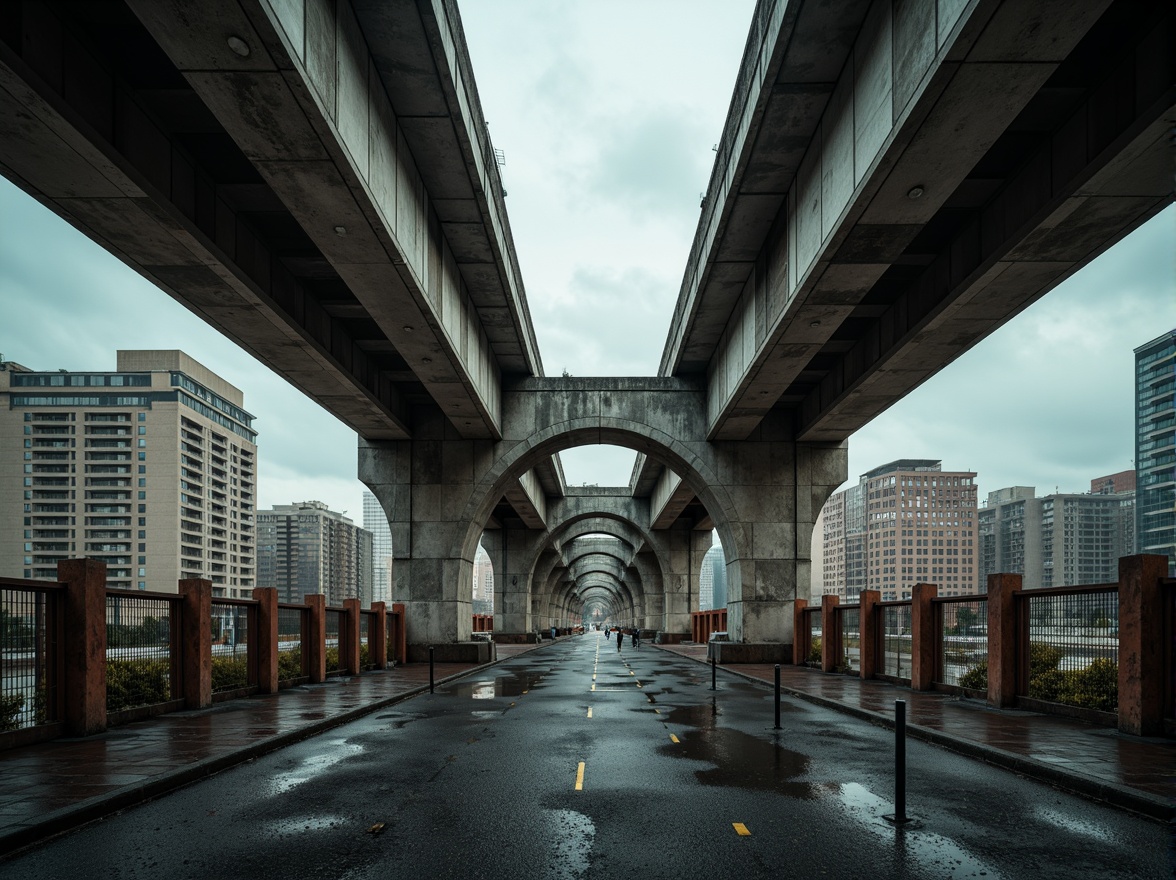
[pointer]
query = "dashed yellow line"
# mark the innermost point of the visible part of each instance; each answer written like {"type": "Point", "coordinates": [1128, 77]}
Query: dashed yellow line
{"type": "Point", "coordinates": [739, 827]}
{"type": "Point", "coordinates": [593, 687]}
{"type": "Point", "coordinates": [580, 777]}
{"type": "Point", "coordinates": [658, 711]}
{"type": "Point", "coordinates": [674, 738]}
{"type": "Point", "coordinates": [589, 711]}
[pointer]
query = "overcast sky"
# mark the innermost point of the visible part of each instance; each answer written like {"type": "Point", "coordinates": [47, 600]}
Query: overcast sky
{"type": "Point", "coordinates": [607, 113]}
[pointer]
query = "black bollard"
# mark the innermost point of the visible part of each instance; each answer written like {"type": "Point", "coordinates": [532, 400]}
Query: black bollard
{"type": "Point", "coordinates": [777, 727]}
{"type": "Point", "coordinates": [430, 669]}
{"type": "Point", "coordinates": [713, 673]}
{"type": "Point", "coordinates": [900, 817]}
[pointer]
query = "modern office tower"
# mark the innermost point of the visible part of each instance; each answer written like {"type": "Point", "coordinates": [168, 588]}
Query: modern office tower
{"type": "Point", "coordinates": [1060, 540]}
{"type": "Point", "coordinates": [1155, 448]}
{"type": "Point", "coordinates": [376, 522]}
{"type": "Point", "coordinates": [151, 468]}
{"type": "Point", "coordinates": [483, 592]}
{"type": "Point", "coordinates": [842, 545]}
{"type": "Point", "coordinates": [303, 549]}
{"type": "Point", "coordinates": [712, 580]}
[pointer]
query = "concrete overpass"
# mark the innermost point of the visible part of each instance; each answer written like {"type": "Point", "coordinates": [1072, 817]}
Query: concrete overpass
{"type": "Point", "coordinates": [315, 179]}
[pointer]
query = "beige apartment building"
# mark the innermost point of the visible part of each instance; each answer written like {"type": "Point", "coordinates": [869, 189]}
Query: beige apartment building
{"type": "Point", "coordinates": [151, 468]}
{"type": "Point", "coordinates": [906, 522]}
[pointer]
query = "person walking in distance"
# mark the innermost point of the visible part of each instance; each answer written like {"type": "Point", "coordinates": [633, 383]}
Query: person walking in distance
{"type": "Point", "coordinates": [636, 637]}
{"type": "Point", "coordinates": [606, 633]}
{"type": "Point", "coordinates": [620, 639]}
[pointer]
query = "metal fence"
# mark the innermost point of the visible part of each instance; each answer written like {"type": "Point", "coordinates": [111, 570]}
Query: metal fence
{"type": "Point", "coordinates": [849, 621]}
{"type": "Point", "coordinates": [812, 634]}
{"type": "Point", "coordinates": [962, 635]}
{"type": "Point", "coordinates": [234, 635]}
{"type": "Point", "coordinates": [29, 654]}
{"type": "Point", "coordinates": [367, 623]}
{"type": "Point", "coordinates": [292, 626]}
{"type": "Point", "coordinates": [1069, 647]}
{"type": "Point", "coordinates": [334, 653]}
{"type": "Point", "coordinates": [894, 639]}
{"type": "Point", "coordinates": [141, 667]}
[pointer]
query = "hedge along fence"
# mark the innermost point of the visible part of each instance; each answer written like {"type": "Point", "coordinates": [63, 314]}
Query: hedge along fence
{"type": "Point", "coordinates": [1101, 652]}
{"type": "Point", "coordinates": [132, 654]}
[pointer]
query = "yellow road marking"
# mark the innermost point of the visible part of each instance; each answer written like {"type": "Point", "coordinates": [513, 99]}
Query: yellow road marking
{"type": "Point", "coordinates": [525, 693]}
{"type": "Point", "coordinates": [594, 676]}
{"type": "Point", "coordinates": [739, 827]}
{"type": "Point", "coordinates": [674, 738]}
{"type": "Point", "coordinates": [658, 711]}
{"type": "Point", "coordinates": [580, 777]}
{"type": "Point", "coordinates": [639, 684]}
{"type": "Point", "coordinates": [589, 711]}
{"type": "Point", "coordinates": [593, 687]}
{"type": "Point", "coordinates": [632, 673]}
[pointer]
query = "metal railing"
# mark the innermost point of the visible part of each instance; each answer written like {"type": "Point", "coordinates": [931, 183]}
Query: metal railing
{"type": "Point", "coordinates": [142, 669]}
{"type": "Point", "coordinates": [367, 623]}
{"type": "Point", "coordinates": [1068, 650]}
{"type": "Point", "coordinates": [894, 640]}
{"type": "Point", "coordinates": [812, 636]}
{"type": "Point", "coordinates": [30, 660]}
{"type": "Point", "coordinates": [233, 623]}
{"type": "Point", "coordinates": [334, 627]}
{"type": "Point", "coordinates": [293, 623]}
{"type": "Point", "coordinates": [961, 632]}
{"type": "Point", "coordinates": [849, 636]}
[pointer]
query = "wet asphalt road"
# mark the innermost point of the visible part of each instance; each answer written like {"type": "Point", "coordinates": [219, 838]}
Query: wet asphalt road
{"type": "Point", "coordinates": [479, 780]}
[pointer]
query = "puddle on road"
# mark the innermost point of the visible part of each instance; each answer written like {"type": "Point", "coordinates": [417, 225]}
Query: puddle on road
{"type": "Point", "coordinates": [574, 834]}
{"type": "Point", "coordinates": [487, 689]}
{"type": "Point", "coordinates": [742, 760]}
{"type": "Point", "coordinates": [940, 855]}
{"type": "Point", "coordinates": [314, 765]}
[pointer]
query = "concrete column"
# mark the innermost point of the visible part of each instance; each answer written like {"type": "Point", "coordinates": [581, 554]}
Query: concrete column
{"type": "Point", "coordinates": [266, 645]}
{"type": "Point", "coordinates": [378, 637]}
{"type": "Point", "coordinates": [1003, 636]}
{"type": "Point", "coordinates": [777, 488]}
{"type": "Point", "coordinates": [1141, 645]}
{"type": "Point", "coordinates": [349, 637]}
{"type": "Point", "coordinates": [799, 647]}
{"type": "Point", "coordinates": [196, 636]}
{"type": "Point", "coordinates": [83, 676]}
{"type": "Point", "coordinates": [829, 634]}
{"type": "Point", "coordinates": [923, 643]}
{"type": "Point", "coordinates": [869, 632]}
{"type": "Point", "coordinates": [512, 551]}
{"type": "Point", "coordinates": [316, 638]}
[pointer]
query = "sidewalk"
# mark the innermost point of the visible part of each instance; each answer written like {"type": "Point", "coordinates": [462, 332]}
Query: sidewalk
{"type": "Point", "coordinates": [54, 786]}
{"type": "Point", "coordinates": [1135, 773]}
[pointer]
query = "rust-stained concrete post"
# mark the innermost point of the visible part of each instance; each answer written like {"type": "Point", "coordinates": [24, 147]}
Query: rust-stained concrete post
{"type": "Point", "coordinates": [1002, 639]}
{"type": "Point", "coordinates": [84, 653]}
{"type": "Point", "coordinates": [799, 633]}
{"type": "Point", "coordinates": [266, 645]}
{"type": "Point", "coordinates": [349, 637]}
{"type": "Point", "coordinates": [316, 638]}
{"type": "Point", "coordinates": [829, 640]}
{"type": "Point", "coordinates": [196, 642]}
{"type": "Point", "coordinates": [1141, 645]}
{"type": "Point", "coordinates": [868, 626]}
{"type": "Point", "coordinates": [378, 636]}
{"type": "Point", "coordinates": [923, 636]}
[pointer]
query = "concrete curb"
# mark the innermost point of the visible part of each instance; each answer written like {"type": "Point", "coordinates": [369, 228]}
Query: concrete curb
{"type": "Point", "coordinates": [1113, 794]}
{"type": "Point", "coordinates": [98, 807]}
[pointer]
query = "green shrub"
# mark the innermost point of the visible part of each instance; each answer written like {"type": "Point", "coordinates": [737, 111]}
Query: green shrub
{"type": "Point", "coordinates": [814, 654]}
{"type": "Point", "coordinates": [229, 673]}
{"type": "Point", "coordinates": [976, 677]}
{"type": "Point", "coordinates": [332, 659]}
{"type": "Point", "coordinates": [290, 664]}
{"type": "Point", "coordinates": [131, 683]}
{"type": "Point", "coordinates": [1095, 687]}
{"type": "Point", "coordinates": [10, 709]}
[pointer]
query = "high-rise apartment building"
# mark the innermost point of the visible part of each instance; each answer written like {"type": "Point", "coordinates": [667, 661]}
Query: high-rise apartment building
{"type": "Point", "coordinates": [376, 522]}
{"type": "Point", "coordinates": [1155, 447]}
{"type": "Point", "coordinates": [905, 522]}
{"type": "Point", "coordinates": [712, 579]}
{"type": "Point", "coordinates": [483, 590]}
{"type": "Point", "coordinates": [303, 549]}
{"type": "Point", "coordinates": [1060, 540]}
{"type": "Point", "coordinates": [151, 468]}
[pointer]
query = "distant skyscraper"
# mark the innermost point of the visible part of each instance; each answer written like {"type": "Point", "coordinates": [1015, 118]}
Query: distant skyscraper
{"type": "Point", "coordinates": [305, 549]}
{"type": "Point", "coordinates": [376, 522]}
{"type": "Point", "coordinates": [151, 469]}
{"type": "Point", "coordinates": [483, 591]}
{"type": "Point", "coordinates": [1155, 447]}
{"type": "Point", "coordinates": [712, 580]}
{"type": "Point", "coordinates": [905, 522]}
